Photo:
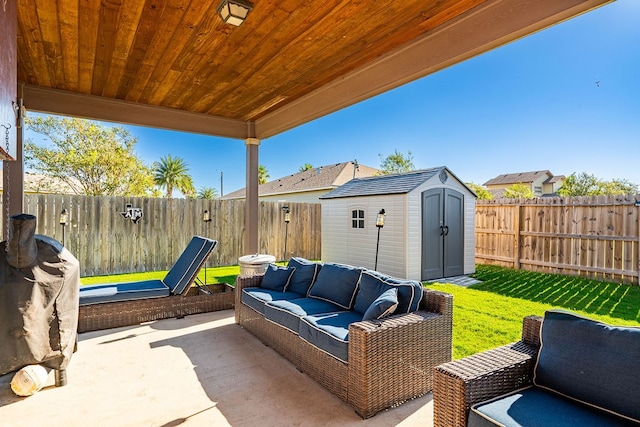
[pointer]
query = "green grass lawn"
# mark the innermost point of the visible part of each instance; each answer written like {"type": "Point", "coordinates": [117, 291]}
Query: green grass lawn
{"type": "Point", "coordinates": [490, 314]}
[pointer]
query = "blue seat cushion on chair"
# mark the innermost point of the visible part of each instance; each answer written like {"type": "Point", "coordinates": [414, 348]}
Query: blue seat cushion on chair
{"type": "Point", "coordinates": [111, 292]}
{"type": "Point", "coordinates": [535, 407]}
{"type": "Point", "coordinates": [590, 362]}
{"type": "Point", "coordinates": [329, 332]}
{"type": "Point", "coordinates": [337, 283]}
{"type": "Point", "coordinates": [186, 268]}
{"type": "Point", "coordinates": [304, 276]}
{"type": "Point", "coordinates": [277, 278]}
{"type": "Point", "coordinates": [287, 313]}
{"type": "Point", "coordinates": [256, 298]}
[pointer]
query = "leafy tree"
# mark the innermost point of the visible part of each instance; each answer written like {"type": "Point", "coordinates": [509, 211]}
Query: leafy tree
{"type": "Point", "coordinates": [481, 192]}
{"type": "Point", "coordinates": [305, 167]}
{"type": "Point", "coordinates": [585, 184]}
{"type": "Point", "coordinates": [518, 191]}
{"type": "Point", "coordinates": [173, 172]}
{"type": "Point", "coordinates": [396, 163]}
{"type": "Point", "coordinates": [263, 175]}
{"type": "Point", "coordinates": [93, 159]}
{"type": "Point", "coordinates": [207, 193]}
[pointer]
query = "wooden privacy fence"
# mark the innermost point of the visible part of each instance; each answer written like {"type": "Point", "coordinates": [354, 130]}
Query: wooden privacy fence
{"type": "Point", "coordinates": [105, 242]}
{"type": "Point", "coordinates": [597, 237]}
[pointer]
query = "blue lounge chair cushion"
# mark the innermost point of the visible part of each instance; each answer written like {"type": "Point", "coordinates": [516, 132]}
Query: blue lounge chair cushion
{"type": "Point", "coordinates": [336, 283]}
{"type": "Point", "coordinates": [277, 278]}
{"type": "Point", "coordinates": [176, 282]}
{"type": "Point", "coordinates": [536, 407]}
{"type": "Point", "coordinates": [590, 362]}
{"type": "Point", "coordinates": [256, 298]}
{"type": "Point", "coordinates": [329, 332]}
{"type": "Point", "coordinates": [383, 306]}
{"type": "Point", "coordinates": [186, 268]}
{"type": "Point", "coordinates": [287, 313]}
{"type": "Point", "coordinates": [123, 291]}
{"type": "Point", "coordinates": [304, 276]}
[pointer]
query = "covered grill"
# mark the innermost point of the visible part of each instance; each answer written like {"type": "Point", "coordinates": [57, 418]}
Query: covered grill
{"type": "Point", "coordinates": [39, 282]}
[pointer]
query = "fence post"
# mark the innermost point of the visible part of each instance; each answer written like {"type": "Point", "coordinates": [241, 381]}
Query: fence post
{"type": "Point", "coordinates": [516, 226]}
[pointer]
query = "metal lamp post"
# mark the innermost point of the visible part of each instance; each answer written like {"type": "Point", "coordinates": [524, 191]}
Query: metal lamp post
{"type": "Point", "coordinates": [64, 219]}
{"type": "Point", "coordinates": [206, 217]}
{"type": "Point", "coordinates": [287, 220]}
{"type": "Point", "coordinates": [379, 224]}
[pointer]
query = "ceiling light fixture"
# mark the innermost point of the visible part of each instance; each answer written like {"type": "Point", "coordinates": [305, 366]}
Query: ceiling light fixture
{"type": "Point", "coordinates": [234, 12]}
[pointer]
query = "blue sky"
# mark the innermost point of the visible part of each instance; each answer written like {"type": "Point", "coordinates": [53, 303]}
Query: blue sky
{"type": "Point", "coordinates": [566, 99]}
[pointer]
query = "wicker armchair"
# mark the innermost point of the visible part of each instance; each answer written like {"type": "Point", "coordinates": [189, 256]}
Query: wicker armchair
{"type": "Point", "coordinates": [460, 384]}
{"type": "Point", "coordinates": [390, 360]}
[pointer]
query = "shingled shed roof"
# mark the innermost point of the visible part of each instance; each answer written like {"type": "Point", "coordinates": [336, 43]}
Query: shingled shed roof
{"type": "Point", "coordinates": [401, 183]}
{"type": "Point", "coordinates": [319, 178]}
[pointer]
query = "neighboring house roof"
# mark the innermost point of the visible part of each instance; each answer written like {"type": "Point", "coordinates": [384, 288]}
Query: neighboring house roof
{"type": "Point", "coordinates": [315, 179]}
{"type": "Point", "coordinates": [399, 183]}
{"type": "Point", "coordinates": [518, 178]}
{"type": "Point", "coordinates": [37, 183]}
{"type": "Point", "coordinates": [556, 178]}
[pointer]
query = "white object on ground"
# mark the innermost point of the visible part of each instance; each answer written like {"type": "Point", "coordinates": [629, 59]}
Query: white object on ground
{"type": "Point", "coordinates": [29, 380]}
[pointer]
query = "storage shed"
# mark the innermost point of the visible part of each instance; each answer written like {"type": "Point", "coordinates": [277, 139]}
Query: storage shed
{"type": "Point", "coordinates": [428, 231]}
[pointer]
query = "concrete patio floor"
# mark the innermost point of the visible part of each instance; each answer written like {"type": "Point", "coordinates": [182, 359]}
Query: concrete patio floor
{"type": "Point", "coordinates": [202, 370]}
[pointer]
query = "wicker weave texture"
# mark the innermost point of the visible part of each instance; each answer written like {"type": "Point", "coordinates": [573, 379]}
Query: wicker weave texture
{"type": "Point", "coordinates": [460, 384]}
{"type": "Point", "coordinates": [126, 313]}
{"type": "Point", "coordinates": [390, 361]}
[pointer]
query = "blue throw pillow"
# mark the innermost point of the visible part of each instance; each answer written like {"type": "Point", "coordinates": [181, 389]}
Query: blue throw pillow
{"type": "Point", "coordinates": [590, 361]}
{"type": "Point", "coordinates": [383, 306]}
{"type": "Point", "coordinates": [409, 294]}
{"type": "Point", "coordinates": [303, 277]}
{"type": "Point", "coordinates": [277, 278]}
{"type": "Point", "coordinates": [336, 283]}
{"type": "Point", "coordinates": [371, 287]}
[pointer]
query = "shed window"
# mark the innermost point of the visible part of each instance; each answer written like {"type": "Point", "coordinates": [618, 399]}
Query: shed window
{"type": "Point", "coordinates": [357, 218]}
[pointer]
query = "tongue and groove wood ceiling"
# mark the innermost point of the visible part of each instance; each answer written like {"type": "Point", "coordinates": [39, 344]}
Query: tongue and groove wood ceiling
{"type": "Point", "coordinates": [290, 62]}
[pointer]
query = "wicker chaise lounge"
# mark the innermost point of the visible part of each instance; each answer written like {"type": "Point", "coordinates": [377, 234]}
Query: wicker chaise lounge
{"type": "Point", "coordinates": [390, 360]}
{"type": "Point", "coordinates": [122, 304]}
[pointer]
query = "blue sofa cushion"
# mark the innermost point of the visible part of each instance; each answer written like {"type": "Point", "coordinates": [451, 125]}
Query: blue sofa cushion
{"type": "Point", "coordinates": [277, 278]}
{"type": "Point", "coordinates": [409, 294]}
{"type": "Point", "coordinates": [329, 332]}
{"type": "Point", "coordinates": [536, 407]}
{"type": "Point", "coordinates": [590, 362]}
{"type": "Point", "coordinates": [304, 276]}
{"type": "Point", "coordinates": [112, 292]}
{"type": "Point", "coordinates": [287, 313]}
{"type": "Point", "coordinates": [256, 298]}
{"type": "Point", "coordinates": [336, 283]}
{"type": "Point", "coordinates": [372, 285]}
{"type": "Point", "coordinates": [383, 306]}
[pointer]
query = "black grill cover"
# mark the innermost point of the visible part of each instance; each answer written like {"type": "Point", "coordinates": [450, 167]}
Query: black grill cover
{"type": "Point", "coordinates": [39, 283]}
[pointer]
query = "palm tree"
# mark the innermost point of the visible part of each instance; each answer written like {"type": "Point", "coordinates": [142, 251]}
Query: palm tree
{"type": "Point", "coordinates": [305, 167]}
{"type": "Point", "coordinates": [207, 193]}
{"type": "Point", "coordinates": [173, 172]}
{"type": "Point", "coordinates": [263, 175]}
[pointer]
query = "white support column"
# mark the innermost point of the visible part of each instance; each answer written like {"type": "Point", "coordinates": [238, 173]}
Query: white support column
{"type": "Point", "coordinates": [251, 208]}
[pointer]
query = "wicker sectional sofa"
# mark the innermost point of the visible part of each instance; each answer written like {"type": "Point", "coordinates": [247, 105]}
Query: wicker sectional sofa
{"type": "Point", "coordinates": [312, 314]}
{"type": "Point", "coordinates": [566, 371]}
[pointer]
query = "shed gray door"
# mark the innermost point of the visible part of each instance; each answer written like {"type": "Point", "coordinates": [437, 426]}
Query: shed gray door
{"type": "Point", "coordinates": [442, 233]}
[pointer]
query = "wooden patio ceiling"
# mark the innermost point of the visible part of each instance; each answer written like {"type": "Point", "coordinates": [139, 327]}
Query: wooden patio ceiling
{"type": "Point", "coordinates": [174, 64]}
